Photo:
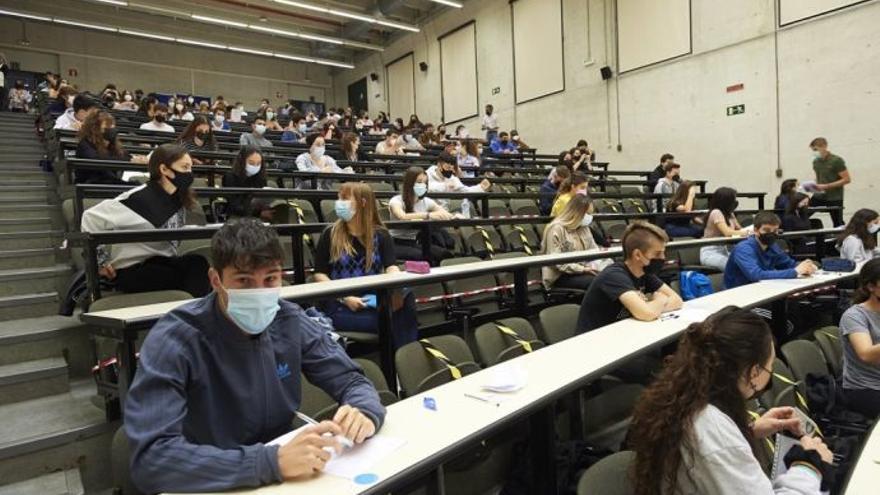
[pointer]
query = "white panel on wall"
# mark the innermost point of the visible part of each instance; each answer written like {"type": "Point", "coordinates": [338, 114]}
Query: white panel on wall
{"type": "Point", "coordinates": [796, 10]}
{"type": "Point", "coordinates": [651, 31]}
{"type": "Point", "coordinates": [537, 48]}
{"type": "Point", "coordinates": [401, 88]}
{"type": "Point", "coordinates": [458, 72]}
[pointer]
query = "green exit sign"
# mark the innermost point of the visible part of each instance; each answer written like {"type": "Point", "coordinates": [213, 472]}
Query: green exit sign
{"type": "Point", "coordinates": [736, 110]}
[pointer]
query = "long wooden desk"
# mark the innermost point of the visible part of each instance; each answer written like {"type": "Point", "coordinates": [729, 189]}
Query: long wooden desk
{"type": "Point", "coordinates": [435, 437]}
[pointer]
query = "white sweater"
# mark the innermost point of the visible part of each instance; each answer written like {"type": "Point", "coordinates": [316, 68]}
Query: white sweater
{"type": "Point", "coordinates": [723, 463]}
{"type": "Point", "coordinates": [853, 249]}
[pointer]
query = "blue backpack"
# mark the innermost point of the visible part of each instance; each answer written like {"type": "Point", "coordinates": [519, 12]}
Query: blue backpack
{"type": "Point", "coordinates": [694, 284]}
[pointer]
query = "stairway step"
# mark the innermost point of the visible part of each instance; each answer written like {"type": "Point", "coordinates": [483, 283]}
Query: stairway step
{"type": "Point", "coordinates": [26, 339]}
{"type": "Point", "coordinates": [25, 224]}
{"type": "Point", "coordinates": [22, 281]}
{"type": "Point", "coordinates": [20, 182]}
{"type": "Point", "coordinates": [33, 379]}
{"type": "Point", "coordinates": [32, 258]}
{"type": "Point", "coordinates": [66, 482]}
{"type": "Point", "coordinates": [28, 306]}
{"type": "Point", "coordinates": [8, 166]}
{"type": "Point", "coordinates": [27, 211]}
{"type": "Point", "coordinates": [30, 240]}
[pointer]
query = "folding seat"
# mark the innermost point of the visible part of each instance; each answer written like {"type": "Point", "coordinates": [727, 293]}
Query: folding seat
{"type": "Point", "coordinates": [485, 301]}
{"type": "Point", "coordinates": [828, 339]}
{"type": "Point", "coordinates": [558, 323]}
{"type": "Point", "coordinates": [524, 206]}
{"type": "Point", "coordinates": [610, 476]}
{"type": "Point", "coordinates": [535, 289]}
{"type": "Point", "coordinates": [482, 241]}
{"type": "Point", "coordinates": [505, 339]}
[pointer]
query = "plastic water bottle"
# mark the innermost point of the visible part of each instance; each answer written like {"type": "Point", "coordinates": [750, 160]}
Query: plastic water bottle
{"type": "Point", "coordinates": [466, 209]}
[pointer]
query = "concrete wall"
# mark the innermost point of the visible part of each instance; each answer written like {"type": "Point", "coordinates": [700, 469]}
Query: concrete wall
{"type": "Point", "coordinates": [816, 77]}
{"type": "Point", "coordinates": [159, 66]}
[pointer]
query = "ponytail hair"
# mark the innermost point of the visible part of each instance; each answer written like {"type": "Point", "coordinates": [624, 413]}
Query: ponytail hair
{"type": "Point", "coordinates": [870, 275]}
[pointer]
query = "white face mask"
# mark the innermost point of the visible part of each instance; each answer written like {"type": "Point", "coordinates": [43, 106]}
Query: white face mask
{"type": "Point", "coordinates": [873, 228]}
{"type": "Point", "coordinates": [220, 118]}
{"type": "Point", "coordinates": [252, 170]}
{"type": "Point", "coordinates": [270, 115]}
{"type": "Point", "coordinates": [318, 151]}
{"type": "Point", "coordinates": [259, 129]}
{"type": "Point", "coordinates": [817, 154]}
{"type": "Point", "coordinates": [127, 97]}
{"type": "Point", "coordinates": [587, 220]}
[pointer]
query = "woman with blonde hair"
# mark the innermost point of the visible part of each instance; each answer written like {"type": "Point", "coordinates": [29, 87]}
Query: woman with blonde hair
{"type": "Point", "coordinates": [576, 184]}
{"type": "Point", "coordinates": [569, 232]}
{"type": "Point", "coordinates": [357, 245]}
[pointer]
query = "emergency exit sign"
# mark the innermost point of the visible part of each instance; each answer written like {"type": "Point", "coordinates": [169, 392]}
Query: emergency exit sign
{"type": "Point", "coordinates": [736, 110]}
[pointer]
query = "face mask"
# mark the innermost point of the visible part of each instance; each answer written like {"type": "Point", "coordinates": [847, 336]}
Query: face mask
{"type": "Point", "coordinates": [182, 181]}
{"type": "Point", "coordinates": [817, 154]}
{"type": "Point", "coordinates": [202, 135]}
{"type": "Point", "coordinates": [190, 100]}
{"type": "Point", "coordinates": [259, 129]}
{"type": "Point", "coordinates": [252, 170]}
{"type": "Point", "coordinates": [873, 228]}
{"type": "Point", "coordinates": [110, 134]}
{"type": "Point", "coordinates": [220, 118]}
{"type": "Point", "coordinates": [503, 141]}
{"type": "Point", "coordinates": [179, 107]}
{"type": "Point", "coordinates": [253, 309]}
{"type": "Point", "coordinates": [159, 118]}
{"type": "Point", "coordinates": [302, 128]}
{"type": "Point", "coordinates": [735, 205]}
{"type": "Point", "coordinates": [587, 220]}
{"type": "Point", "coordinates": [446, 173]}
{"type": "Point", "coordinates": [420, 189]}
{"type": "Point", "coordinates": [70, 100]}
{"type": "Point", "coordinates": [127, 97]}
{"type": "Point", "coordinates": [655, 266]}
{"type": "Point", "coordinates": [318, 151]}
{"type": "Point", "coordinates": [515, 138]}
{"type": "Point", "coordinates": [768, 238]}
{"type": "Point", "coordinates": [270, 115]}
{"type": "Point", "coordinates": [344, 209]}
{"type": "Point", "coordinates": [407, 137]}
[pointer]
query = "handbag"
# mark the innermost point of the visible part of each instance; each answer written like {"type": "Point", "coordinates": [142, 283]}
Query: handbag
{"type": "Point", "coordinates": [838, 265]}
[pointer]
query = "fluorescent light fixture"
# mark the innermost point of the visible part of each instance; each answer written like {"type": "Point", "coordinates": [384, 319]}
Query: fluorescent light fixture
{"type": "Point", "coordinates": [25, 16]}
{"type": "Point", "coordinates": [146, 35]}
{"type": "Point", "coordinates": [397, 25]}
{"type": "Point", "coordinates": [324, 39]}
{"type": "Point", "coordinates": [320, 38]}
{"type": "Point", "coordinates": [84, 25]}
{"type": "Point", "coordinates": [308, 6]}
{"type": "Point", "coordinates": [335, 64]}
{"type": "Point", "coordinates": [200, 43]}
{"type": "Point", "coordinates": [249, 50]}
{"type": "Point", "coordinates": [171, 12]}
{"type": "Point", "coordinates": [264, 29]}
{"type": "Point", "coordinates": [295, 57]}
{"type": "Point", "coordinates": [352, 15]}
{"type": "Point", "coordinates": [113, 2]}
{"type": "Point", "coordinates": [215, 20]}
{"type": "Point", "coordinates": [448, 3]}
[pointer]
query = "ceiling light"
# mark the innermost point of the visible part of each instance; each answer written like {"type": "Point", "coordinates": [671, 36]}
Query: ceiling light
{"type": "Point", "coordinates": [273, 30]}
{"type": "Point", "coordinates": [320, 38]}
{"type": "Point", "coordinates": [302, 5]}
{"type": "Point", "coordinates": [295, 57]}
{"type": "Point", "coordinates": [449, 3]}
{"type": "Point", "coordinates": [249, 50]}
{"type": "Point", "coordinates": [84, 25]}
{"type": "Point", "coordinates": [335, 64]}
{"type": "Point", "coordinates": [146, 35]}
{"type": "Point", "coordinates": [397, 25]}
{"type": "Point", "coordinates": [171, 12]}
{"type": "Point", "coordinates": [351, 15]}
{"type": "Point", "coordinates": [200, 43]}
{"type": "Point", "coordinates": [25, 16]}
{"type": "Point", "coordinates": [218, 21]}
{"type": "Point", "coordinates": [114, 2]}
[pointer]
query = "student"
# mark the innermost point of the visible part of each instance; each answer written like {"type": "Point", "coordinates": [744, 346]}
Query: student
{"type": "Point", "coordinates": [248, 170]}
{"type": "Point", "coordinates": [461, 132]}
{"type": "Point", "coordinates": [245, 343]}
{"type": "Point", "coordinates": [391, 144]}
{"type": "Point", "coordinates": [73, 118]}
{"type": "Point", "coordinates": [198, 137]}
{"type": "Point", "coordinates": [469, 158]}
{"type": "Point", "coordinates": [502, 145]}
{"type": "Point", "coordinates": [659, 172]}
{"type": "Point", "coordinates": [363, 122]}
{"type": "Point", "coordinates": [797, 216]}
{"type": "Point", "coordinates": [831, 177]}
{"type": "Point", "coordinates": [518, 142]}
{"type": "Point", "coordinates": [568, 232]}
{"type": "Point", "coordinates": [631, 287]}
{"type": "Point", "coordinates": [127, 103]}
{"type": "Point", "coordinates": [161, 203]}
{"type": "Point", "coordinates": [181, 112]}
{"type": "Point", "coordinates": [720, 222]}
{"type": "Point", "coordinates": [683, 202]}
{"type": "Point", "coordinates": [160, 115]}
{"type": "Point", "coordinates": [671, 178]}
{"type": "Point", "coordinates": [377, 129]}
{"type": "Point", "coordinates": [19, 98]}
{"type": "Point", "coordinates": [257, 135]}
{"type": "Point", "coordinates": [414, 204]}
{"type": "Point", "coordinates": [788, 187]}
{"type": "Point", "coordinates": [759, 258]}
{"type": "Point", "coordinates": [691, 429]}
{"type": "Point", "coordinates": [272, 122]}
{"type": "Point", "coordinates": [576, 184]}
{"type": "Point", "coordinates": [351, 143]}
{"type": "Point", "coordinates": [99, 140]}
{"type": "Point", "coordinates": [219, 122]}
{"type": "Point", "coordinates": [444, 177]}
{"type": "Point", "coordinates": [858, 241]}
{"type": "Point", "coordinates": [490, 124]}
{"type": "Point", "coordinates": [860, 328]}
{"type": "Point", "coordinates": [408, 140]}
{"type": "Point", "coordinates": [63, 101]}
{"type": "Point", "coordinates": [316, 160]}
{"type": "Point", "coordinates": [356, 245]}
{"type": "Point", "coordinates": [295, 131]}
{"type": "Point", "coordinates": [550, 187]}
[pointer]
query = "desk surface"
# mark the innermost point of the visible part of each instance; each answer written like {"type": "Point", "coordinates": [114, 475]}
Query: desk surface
{"type": "Point", "coordinates": [866, 472]}
{"type": "Point", "coordinates": [433, 436]}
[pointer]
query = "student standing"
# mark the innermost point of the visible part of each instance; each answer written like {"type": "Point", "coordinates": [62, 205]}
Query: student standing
{"type": "Point", "coordinates": [860, 329]}
{"type": "Point", "coordinates": [691, 429]}
{"type": "Point", "coordinates": [831, 177]}
{"type": "Point", "coordinates": [490, 124]}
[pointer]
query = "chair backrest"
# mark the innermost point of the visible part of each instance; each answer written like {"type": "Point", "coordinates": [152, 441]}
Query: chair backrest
{"type": "Point", "coordinates": [610, 476]}
{"type": "Point", "coordinates": [781, 392]}
{"type": "Point", "coordinates": [418, 370]}
{"type": "Point", "coordinates": [328, 210]}
{"type": "Point", "coordinates": [828, 339]}
{"type": "Point", "coordinates": [374, 373]}
{"type": "Point", "coordinates": [485, 242]}
{"type": "Point", "coordinates": [804, 357]}
{"type": "Point", "coordinates": [505, 339]}
{"type": "Point", "coordinates": [558, 322]}
{"type": "Point", "coordinates": [382, 186]}
{"type": "Point", "coordinates": [316, 403]}
{"type": "Point", "coordinates": [119, 462]}
{"type": "Point", "coordinates": [521, 206]}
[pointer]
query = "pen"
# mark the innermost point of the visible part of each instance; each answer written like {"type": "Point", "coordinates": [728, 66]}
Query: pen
{"type": "Point", "coordinates": [482, 399]}
{"type": "Point", "coordinates": [341, 438]}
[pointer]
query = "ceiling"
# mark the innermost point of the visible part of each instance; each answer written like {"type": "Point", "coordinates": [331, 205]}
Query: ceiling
{"type": "Point", "coordinates": [330, 29]}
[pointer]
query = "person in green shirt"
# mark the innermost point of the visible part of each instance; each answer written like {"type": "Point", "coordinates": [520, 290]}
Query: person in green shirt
{"type": "Point", "coordinates": [831, 176]}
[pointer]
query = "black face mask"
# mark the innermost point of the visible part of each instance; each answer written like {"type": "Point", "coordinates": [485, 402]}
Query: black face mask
{"type": "Point", "coordinates": [202, 135]}
{"type": "Point", "coordinates": [504, 141]}
{"type": "Point", "coordinates": [735, 205]}
{"type": "Point", "coordinates": [655, 266]}
{"type": "Point", "coordinates": [182, 181]}
{"type": "Point", "coordinates": [446, 173]}
{"type": "Point", "coordinates": [159, 118]}
{"type": "Point", "coordinates": [110, 134]}
{"type": "Point", "coordinates": [768, 239]}
{"type": "Point", "coordinates": [677, 178]}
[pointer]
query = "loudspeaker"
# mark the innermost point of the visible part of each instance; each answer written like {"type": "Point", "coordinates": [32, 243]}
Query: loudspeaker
{"type": "Point", "coordinates": [606, 72]}
{"type": "Point", "coordinates": [423, 66]}
{"type": "Point", "coordinates": [374, 77]}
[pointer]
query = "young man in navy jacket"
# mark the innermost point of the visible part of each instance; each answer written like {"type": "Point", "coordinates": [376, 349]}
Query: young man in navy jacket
{"type": "Point", "coordinates": [219, 377]}
{"type": "Point", "coordinates": [759, 258]}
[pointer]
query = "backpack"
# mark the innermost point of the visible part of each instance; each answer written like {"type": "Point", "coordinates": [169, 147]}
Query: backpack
{"type": "Point", "coordinates": [694, 284]}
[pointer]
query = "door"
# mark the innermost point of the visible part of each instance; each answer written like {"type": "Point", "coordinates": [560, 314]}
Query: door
{"type": "Point", "coordinates": [357, 95]}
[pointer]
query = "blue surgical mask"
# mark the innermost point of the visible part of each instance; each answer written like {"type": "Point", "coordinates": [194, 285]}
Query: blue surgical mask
{"type": "Point", "coordinates": [252, 170]}
{"type": "Point", "coordinates": [587, 220]}
{"type": "Point", "coordinates": [302, 128]}
{"type": "Point", "coordinates": [253, 309]}
{"type": "Point", "coordinates": [319, 151]}
{"type": "Point", "coordinates": [420, 189]}
{"type": "Point", "coordinates": [344, 209]}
